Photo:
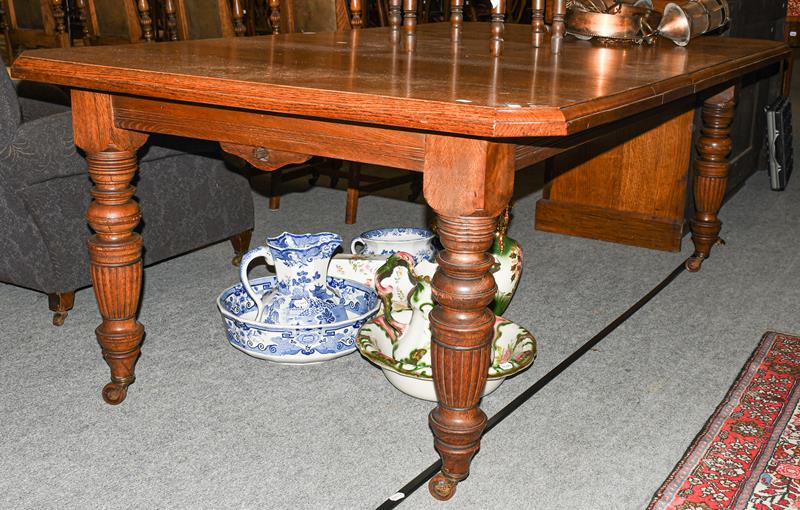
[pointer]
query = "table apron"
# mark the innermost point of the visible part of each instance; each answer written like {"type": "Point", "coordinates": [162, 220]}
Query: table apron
{"type": "Point", "coordinates": [393, 147]}
{"type": "Point", "coordinates": [352, 142]}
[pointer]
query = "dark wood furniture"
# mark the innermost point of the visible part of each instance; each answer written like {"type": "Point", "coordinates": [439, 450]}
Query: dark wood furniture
{"type": "Point", "coordinates": [203, 19]}
{"type": "Point", "coordinates": [113, 21]}
{"type": "Point", "coordinates": [8, 49]}
{"type": "Point", "coordinates": [35, 24]}
{"type": "Point", "coordinates": [466, 123]}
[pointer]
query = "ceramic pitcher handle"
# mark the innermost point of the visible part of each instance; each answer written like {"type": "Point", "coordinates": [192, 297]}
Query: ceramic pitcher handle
{"type": "Point", "coordinates": [400, 258]}
{"type": "Point", "coordinates": [261, 251]}
{"type": "Point", "coordinates": [355, 244]}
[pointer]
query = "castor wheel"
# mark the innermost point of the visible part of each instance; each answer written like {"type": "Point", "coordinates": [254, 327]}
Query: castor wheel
{"type": "Point", "coordinates": [58, 318]}
{"type": "Point", "coordinates": [114, 393]}
{"type": "Point", "coordinates": [237, 259]}
{"type": "Point", "coordinates": [694, 262]}
{"type": "Point", "coordinates": [441, 487]}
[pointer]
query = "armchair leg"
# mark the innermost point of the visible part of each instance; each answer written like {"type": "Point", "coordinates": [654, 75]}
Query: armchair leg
{"type": "Point", "coordinates": [60, 305]}
{"type": "Point", "coordinates": [353, 174]}
{"type": "Point", "coordinates": [241, 243]}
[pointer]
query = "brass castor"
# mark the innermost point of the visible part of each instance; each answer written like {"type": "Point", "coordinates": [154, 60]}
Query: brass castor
{"type": "Point", "coordinates": [694, 262]}
{"type": "Point", "coordinates": [58, 318]}
{"type": "Point", "coordinates": [441, 487]}
{"type": "Point", "coordinates": [237, 259]}
{"type": "Point", "coordinates": [115, 392]}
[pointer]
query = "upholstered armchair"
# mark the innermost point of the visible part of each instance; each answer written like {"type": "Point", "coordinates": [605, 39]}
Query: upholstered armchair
{"type": "Point", "coordinates": [44, 195]}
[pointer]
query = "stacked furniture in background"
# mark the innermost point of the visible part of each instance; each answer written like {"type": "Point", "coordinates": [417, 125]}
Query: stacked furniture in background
{"type": "Point", "coordinates": [792, 29]}
{"type": "Point", "coordinates": [33, 24]}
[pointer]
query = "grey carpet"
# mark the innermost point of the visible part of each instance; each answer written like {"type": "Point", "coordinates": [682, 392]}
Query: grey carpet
{"type": "Point", "coordinates": [206, 426]}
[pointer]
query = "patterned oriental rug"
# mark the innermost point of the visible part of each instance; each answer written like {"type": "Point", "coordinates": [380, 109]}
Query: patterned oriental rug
{"type": "Point", "coordinates": [747, 456]}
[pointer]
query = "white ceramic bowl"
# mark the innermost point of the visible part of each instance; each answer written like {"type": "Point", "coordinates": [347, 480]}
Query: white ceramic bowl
{"type": "Point", "coordinates": [513, 350]}
{"type": "Point", "coordinates": [290, 343]}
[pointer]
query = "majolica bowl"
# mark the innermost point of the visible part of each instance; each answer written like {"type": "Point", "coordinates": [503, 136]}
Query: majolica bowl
{"type": "Point", "coordinates": [295, 343]}
{"type": "Point", "coordinates": [513, 350]}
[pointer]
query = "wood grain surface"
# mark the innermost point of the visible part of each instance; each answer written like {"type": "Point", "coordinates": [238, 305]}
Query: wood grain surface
{"type": "Point", "coordinates": [440, 87]}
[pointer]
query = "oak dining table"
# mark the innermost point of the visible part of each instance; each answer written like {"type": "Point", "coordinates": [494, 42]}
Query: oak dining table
{"type": "Point", "coordinates": [430, 102]}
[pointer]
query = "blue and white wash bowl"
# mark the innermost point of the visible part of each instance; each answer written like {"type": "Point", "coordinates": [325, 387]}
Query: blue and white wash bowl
{"type": "Point", "coordinates": [388, 241]}
{"type": "Point", "coordinates": [298, 344]}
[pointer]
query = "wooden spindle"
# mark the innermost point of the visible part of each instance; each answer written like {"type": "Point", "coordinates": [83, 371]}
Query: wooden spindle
{"type": "Point", "coordinates": [59, 16]}
{"type": "Point", "coordinates": [559, 28]}
{"type": "Point", "coordinates": [83, 18]}
{"type": "Point", "coordinates": [355, 14]}
{"type": "Point", "coordinates": [498, 26]}
{"type": "Point", "coordinates": [145, 20]}
{"type": "Point", "coordinates": [537, 23]}
{"type": "Point", "coordinates": [395, 19]}
{"type": "Point", "coordinates": [456, 19]}
{"type": "Point", "coordinates": [410, 24]}
{"type": "Point", "coordinates": [237, 13]}
{"type": "Point", "coordinates": [172, 20]}
{"type": "Point", "coordinates": [275, 16]}
{"type": "Point", "coordinates": [4, 26]}
{"type": "Point", "coordinates": [382, 13]}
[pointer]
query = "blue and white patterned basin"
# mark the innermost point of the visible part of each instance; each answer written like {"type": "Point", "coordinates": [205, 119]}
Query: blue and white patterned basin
{"type": "Point", "coordinates": [292, 343]}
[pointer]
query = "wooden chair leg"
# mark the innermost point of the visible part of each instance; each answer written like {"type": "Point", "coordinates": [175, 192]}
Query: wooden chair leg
{"type": "Point", "coordinates": [275, 189]}
{"type": "Point", "coordinates": [416, 187]}
{"type": "Point", "coordinates": [241, 243]}
{"type": "Point", "coordinates": [353, 173]}
{"type": "Point", "coordinates": [312, 181]}
{"type": "Point", "coordinates": [336, 166]}
{"type": "Point", "coordinates": [60, 305]}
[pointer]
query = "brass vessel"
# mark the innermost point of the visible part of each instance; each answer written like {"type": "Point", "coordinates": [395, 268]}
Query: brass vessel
{"type": "Point", "coordinates": [681, 23]}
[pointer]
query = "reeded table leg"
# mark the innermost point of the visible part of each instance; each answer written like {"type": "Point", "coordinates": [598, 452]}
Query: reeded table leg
{"type": "Point", "coordinates": [115, 251]}
{"type": "Point", "coordinates": [468, 183]}
{"type": "Point", "coordinates": [116, 257]}
{"type": "Point", "coordinates": [711, 174]}
{"type": "Point", "coordinates": [460, 353]}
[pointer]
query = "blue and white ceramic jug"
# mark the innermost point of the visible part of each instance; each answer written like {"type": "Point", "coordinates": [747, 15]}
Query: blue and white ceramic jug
{"type": "Point", "coordinates": [302, 295]}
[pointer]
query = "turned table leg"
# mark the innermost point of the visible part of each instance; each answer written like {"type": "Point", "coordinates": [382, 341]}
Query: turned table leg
{"type": "Point", "coordinates": [115, 250]}
{"type": "Point", "coordinates": [460, 353]}
{"type": "Point", "coordinates": [711, 174]}
{"type": "Point", "coordinates": [467, 183]}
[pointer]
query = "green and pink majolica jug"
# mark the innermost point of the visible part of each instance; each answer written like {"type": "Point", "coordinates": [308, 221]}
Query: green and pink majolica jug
{"type": "Point", "coordinates": [409, 321]}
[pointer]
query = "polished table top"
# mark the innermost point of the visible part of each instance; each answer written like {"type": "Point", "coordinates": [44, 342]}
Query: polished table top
{"type": "Point", "coordinates": [455, 88]}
